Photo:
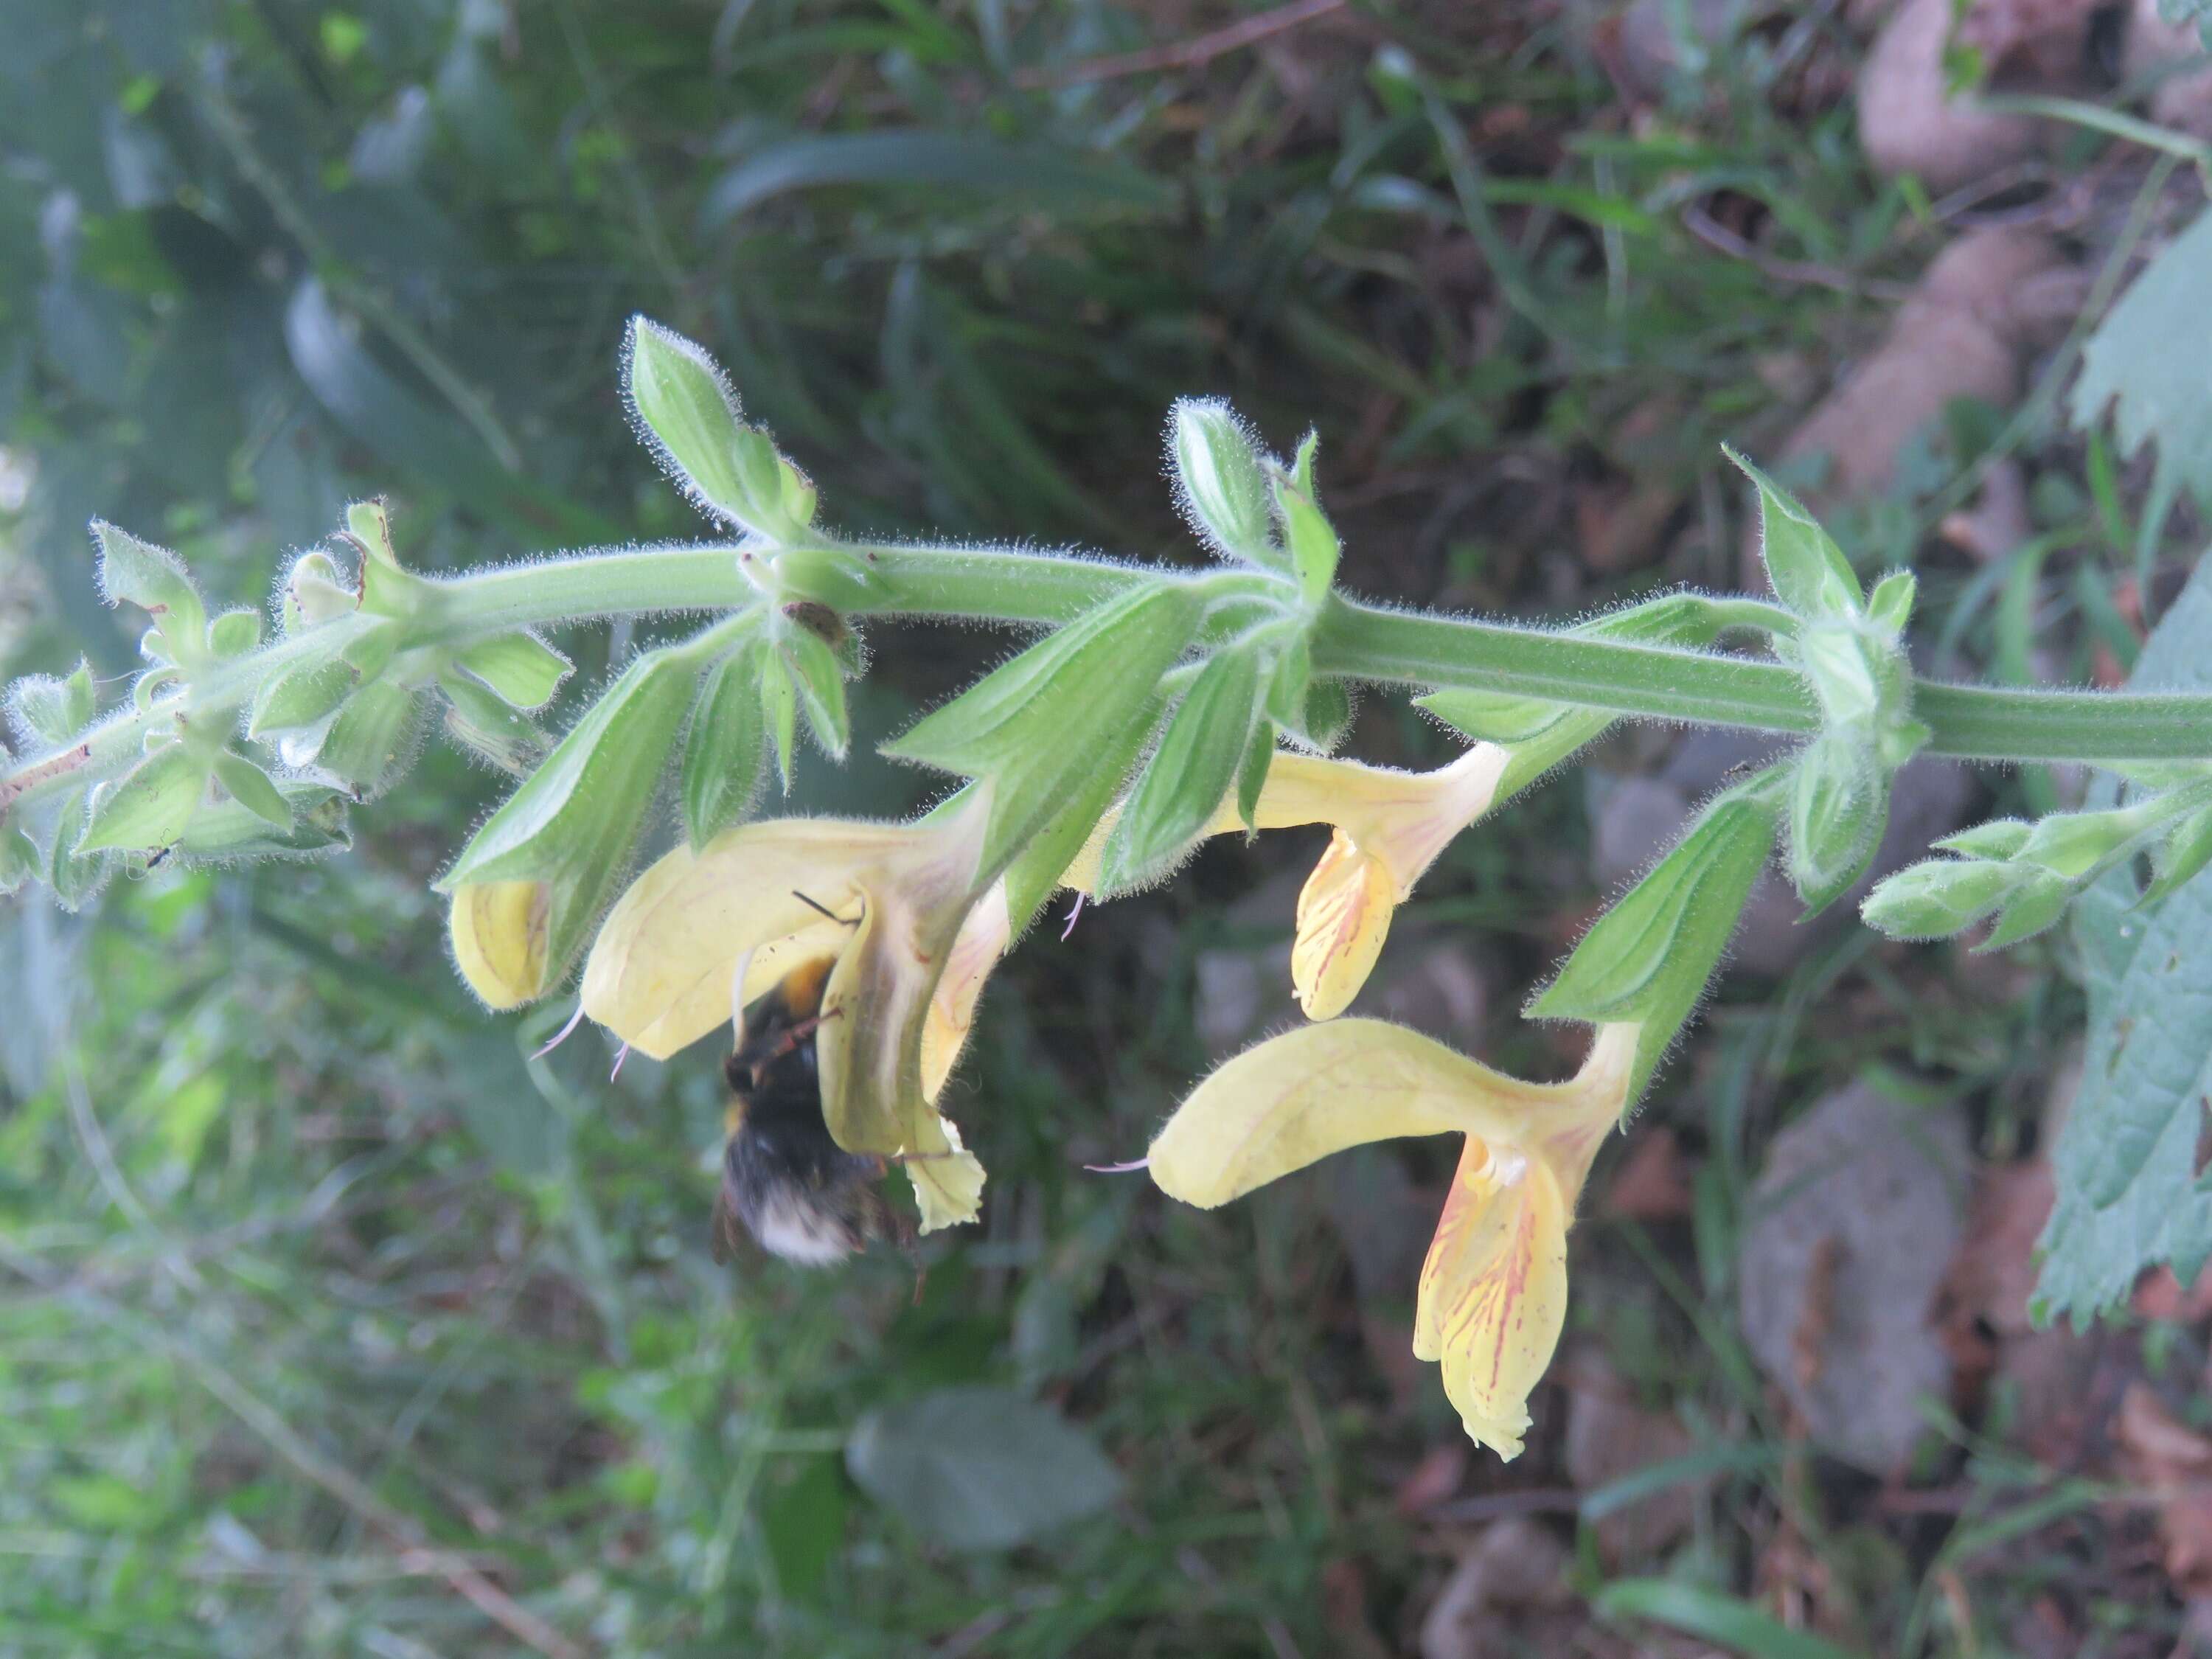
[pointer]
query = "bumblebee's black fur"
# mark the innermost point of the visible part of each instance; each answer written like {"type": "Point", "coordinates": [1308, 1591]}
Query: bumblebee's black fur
{"type": "Point", "coordinates": [797, 1192]}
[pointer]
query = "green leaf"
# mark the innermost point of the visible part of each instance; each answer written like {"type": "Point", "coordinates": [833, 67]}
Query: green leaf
{"type": "Point", "coordinates": [1324, 716]}
{"type": "Point", "coordinates": [723, 751]}
{"type": "Point", "coordinates": [1889, 607]}
{"type": "Point", "coordinates": [1839, 809]}
{"type": "Point", "coordinates": [2124, 1165]}
{"type": "Point", "coordinates": [479, 719]}
{"type": "Point", "coordinates": [821, 686]}
{"type": "Point", "coordinates": [50, 711]}
{"type": "Point", "coordinates": [299, 695]}
{"type": "Point", "coordinates": [1650, 956]}
{"type": "Point", "coordinates": [1997, 838]}
{"type": "Point", "coordinates": [152, 578]}
{"type": "Point", "coordinates": [1189, 774]}
{"type": "Point", "coordinates": [689, 417]}
{"type": "Point", "coordinates": [234, 633]}
{"type": "Point", "coordinates": [1036, 726]}
{"type": "Point", "coordinates": [1310, 537]}
{"type": "Point", "coordinates": [778, 702]}
{"type": "Point", "coordinates": [980, 1469]}
{"type": "Point", "coordinates": [575, 822]}
{"type": "Point", "coordinates": [1252, 774]}
{"type": "Point", "coordinates": [19, 859]}
{"type": "Point", "coordinates": [1062, 180]}
{"type": "Point", "coordinates": [520, 667]}
{"type": "Point", "coordinates": [1712, 1616]}
{"type": "Point", "coordinates": [1034, 874]}
{"type": "Point", "coordinates": [2141, 361]}
{"type": "Point", "coordinates": [1808, 571]}
{"type": "Point", "coordinates": [1219, 480]}
{"type": "Point", "coordinates": [372, 738]}
{"type": "Point", "coordinates": [73, 873]}
{"type": "Point", "coordinates": [252, 789]}
{"type": "Point", "coordinates": [1939, 897]}
{"type": "Point", "coordinates": [227, 831]}
{"type": "Point", "coordinates": [149, 805]}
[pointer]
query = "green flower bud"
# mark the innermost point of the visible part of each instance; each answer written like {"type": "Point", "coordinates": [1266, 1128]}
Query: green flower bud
{"type": "Point", "coordinates": [1940, 897]}
{"type": "Point", "coordinates": [688, 418]}
{"type": "Point", "coordinates": [49, 712]}
{"type": "Point", "coordinates": [1221, 480]}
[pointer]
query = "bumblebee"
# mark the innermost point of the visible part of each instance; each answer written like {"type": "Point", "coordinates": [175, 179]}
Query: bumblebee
{"type": "Point", "coordinates": [795, 1190]}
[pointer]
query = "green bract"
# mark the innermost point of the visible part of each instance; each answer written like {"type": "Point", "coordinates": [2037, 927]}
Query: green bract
{"type": "Point", "coordinates": [1648, 959]}
{"type": "Point", "coordinates": [1189, 774]}
{"type": "Point", "coordinates": [723, 751]}
{"type": "Point", "coordinates": [573, 824]}
{"type": "Point", "coordinates": [1035, 728]}
{"type": "Point", "coordinates": [688, 415]}
{"type": "Point", "coordinates": [1222, 480]}
{"type": "Point", "coordinates": [132, 571]}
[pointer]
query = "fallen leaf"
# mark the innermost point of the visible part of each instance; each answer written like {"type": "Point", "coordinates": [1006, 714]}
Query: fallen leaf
{"type": "Point", "coordinates": [1433, 1480]}
{"type": "Point", "coordinates": [1610, 1437]}
{"type": "Point", "coordinates": [1511, 1571]}
{"type": "Point", "coordinates": [2174, 1462]}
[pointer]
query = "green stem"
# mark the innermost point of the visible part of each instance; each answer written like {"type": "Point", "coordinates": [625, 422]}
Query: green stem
{"type": "Point", "coordinates": [1357, 640]}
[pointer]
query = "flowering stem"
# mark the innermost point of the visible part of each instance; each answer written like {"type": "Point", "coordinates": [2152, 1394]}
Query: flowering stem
{"type": "Point", "coordinates": [1351, 639]}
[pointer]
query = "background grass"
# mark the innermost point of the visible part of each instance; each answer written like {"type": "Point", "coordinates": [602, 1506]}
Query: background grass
{"type": "Point", "coordinates": [323, 1304]}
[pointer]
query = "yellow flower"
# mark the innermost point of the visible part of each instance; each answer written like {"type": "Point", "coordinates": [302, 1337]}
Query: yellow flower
{"type": "Point", "coordinates": [699, 936]}
{"type": "Point", "coordinates": [1389, 825]}
{"type": "Point", "coordinates": [1493, 1292]}
{"type": "Point", "coordinates": [498, 930]}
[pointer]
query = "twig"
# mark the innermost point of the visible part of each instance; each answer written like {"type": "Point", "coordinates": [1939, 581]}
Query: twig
{"type": "Point", "coordinates": [1715, 234]}
{"type": "Point", "coordinates": [32, 776]}
{"type": "Point", "coordinates": [1193, 53]}
{"type": "Point", "coordinates": [416, 1551]}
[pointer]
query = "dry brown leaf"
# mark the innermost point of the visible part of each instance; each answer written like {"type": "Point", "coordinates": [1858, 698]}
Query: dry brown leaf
{"type": "Point", "coordinates": [2174, 1462]}
{"type": "Point", "coordinates": [2160, 1295]}
{"type": "Point", "coordinates": [1433, 1480]}
{"type": "Point", "coordinates": [1506, 1580]}
{"type": "Point", "coordinates": [1610, 1437]}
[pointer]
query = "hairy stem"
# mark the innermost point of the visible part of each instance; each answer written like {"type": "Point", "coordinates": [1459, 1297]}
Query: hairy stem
{"type": "Point", "coordinates": [1354, 640]}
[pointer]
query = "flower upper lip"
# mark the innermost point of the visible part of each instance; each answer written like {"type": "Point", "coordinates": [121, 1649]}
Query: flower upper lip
{"type": "Point", "coordinates": [699, 935]}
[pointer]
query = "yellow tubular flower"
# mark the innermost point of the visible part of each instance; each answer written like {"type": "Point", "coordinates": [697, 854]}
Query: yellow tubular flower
{"type": "Point", "coordinates": [1390, 825]}
{"type": "Point", "coordinates": [1493, 1292]}
{"type": "Point", "coordinates": [498, 930]}
{"type": "Point", "coordinates": [698, 936]}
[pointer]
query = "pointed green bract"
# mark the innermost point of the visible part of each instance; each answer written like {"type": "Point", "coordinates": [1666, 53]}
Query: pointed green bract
{"type": "Point", "coordinates": [19, 859]}
{"type": "Point", "coordinates": [299, 695]}
{"type": "Point", "coordinates": [1306, 532]}
{"type": "Point", "coordinates": [520, 667]}
{"type": "Point", "coordinates": [778, 702]}
{"type": "Point", "coordinates": [1808, 571]}
{"type": "Point", "coordinates": [367, 741]}
{"type": "Point", "coordinates": [686, 409]}
{"type": "Point", "coordinates": [1649, 958]}
{"type": "Point", "coordinates": [252, 789]}
{"type": "Point", "coordinates": [723, 751]}
{"type": "Point", "coordinates": [148, 807]}
{"type": "Point", "coordinates": [135, 572]}
{"type": "Point", "coordinates": [1035, 726]}
{"type": "Point", "coordinates": [482, 721]}
{"type": "Point", "coordinates": [49, 710]}
{"type": "Point", "coordinates": [234, 633]}
{"type": "Point", "coordinates": [1221, 479]}
{"type": "Point", "coordinates": [820, 683]}
{"type": "Point", "coordinates": [1189, 774]}
{"type": "Point", "coordinates": [1252, 774]}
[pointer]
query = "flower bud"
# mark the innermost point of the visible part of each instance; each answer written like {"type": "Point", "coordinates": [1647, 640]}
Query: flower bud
{"type": "Point", "coordinates": [1940, 897]}
{"type": "Point", "coordinates": [1219, 477]}
{"type": "Point", "coordinates": [498, 930]}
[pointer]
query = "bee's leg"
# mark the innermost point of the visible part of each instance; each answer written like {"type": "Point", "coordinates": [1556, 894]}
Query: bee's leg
{"type": "Point", "coordinates": [800, 1030]}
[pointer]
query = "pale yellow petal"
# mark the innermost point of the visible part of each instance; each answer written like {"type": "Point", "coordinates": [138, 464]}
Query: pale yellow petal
{"type": "Point", "coordinates": [1343, 917]}
{"type": "Point", "coordinates": [982, 940]}
{"type": "Point", "coordinates": [660, 971]}
{"type": "Point", "coordinates": [948, 1179]}
{"type": "Point", "coordinates": [498, 930]}
{"type": "Point", "coordinates": [1493, 1292]}
{"type": "Point", "coordinates": [1321, 1088]}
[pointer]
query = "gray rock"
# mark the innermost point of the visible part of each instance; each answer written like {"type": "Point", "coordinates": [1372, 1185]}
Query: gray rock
{"type": "Point", "coordinates": [1854, 1220]}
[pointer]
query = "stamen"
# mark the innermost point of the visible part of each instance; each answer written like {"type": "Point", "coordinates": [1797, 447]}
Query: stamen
{"type": "Point", "coordinates": [1133, 1165]}
{"type": "Point", "coordinates": [1074, 911]}
{"type": "Point", "coordinates": [621, 1055]}
{"type": "Point", "coordinates": [562, 1035]}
